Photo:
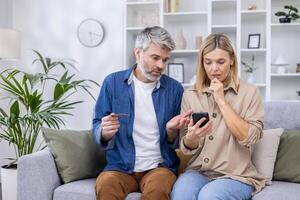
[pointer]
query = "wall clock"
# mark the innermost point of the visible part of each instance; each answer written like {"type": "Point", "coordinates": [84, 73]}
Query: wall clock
{"type": "Point", "coordinates": [90, 32]}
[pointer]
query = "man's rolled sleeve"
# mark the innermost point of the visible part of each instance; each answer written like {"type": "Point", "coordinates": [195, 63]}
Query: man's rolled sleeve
{"type": "Point", "coordinates": [102, 108]}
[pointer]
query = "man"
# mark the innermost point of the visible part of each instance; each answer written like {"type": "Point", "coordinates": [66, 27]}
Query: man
{"type": "Point", "coordinates": [136, 121]}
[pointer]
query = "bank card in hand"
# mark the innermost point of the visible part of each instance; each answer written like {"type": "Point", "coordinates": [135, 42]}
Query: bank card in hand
{"type": "Point", "coordinates": [119, 115]}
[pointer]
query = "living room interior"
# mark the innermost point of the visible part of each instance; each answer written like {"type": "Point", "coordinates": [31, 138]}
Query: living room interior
{"type": "Point", "coordinates": [97, 37]}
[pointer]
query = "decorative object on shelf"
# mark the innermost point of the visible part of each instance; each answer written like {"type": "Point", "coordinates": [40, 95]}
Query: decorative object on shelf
{"type": "Point", "coordinates": [291, 14]}
{"type": "Point", "coordinates": [180, 40]}
{"type": "Point", "coordinates": [10, 41]}
{"type": "Point", "coordinates": [249, 69]}
{"type": "Point", "coordinates": [173, 5]}
{"type": "Point", "coordinates": [298, 92]}
{"type": "Point", "coordinates": [298, 68]}
{"type": "Point", "coordinates": [198, 41]}
{"type": "Point", "coordinates": [281, 64]}
{"type": "Point", "coordinates": [176, 71]}
{"type": "Point", "coordinates": [90, 33]}
{"type": "Point", "coordinates": [254, 41]}
{"type": "Point", "coordinates": [252, 7]}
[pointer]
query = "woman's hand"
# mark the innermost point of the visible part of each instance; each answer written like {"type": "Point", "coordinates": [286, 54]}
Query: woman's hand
{"type": "Point", "coordinates": [217, 88]}
{"type": "Point", "coordinates": [194, 133]}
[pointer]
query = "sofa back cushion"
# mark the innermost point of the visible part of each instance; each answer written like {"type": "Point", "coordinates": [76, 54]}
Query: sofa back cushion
{"type": "Point", "coordinates": [75, 153]}
{"type": "Point", "coordinates": [287, 165]}
{"type": "Point", "coordinates": [281, 114]}
{"type": "Point", "coordinates": [265, 151]}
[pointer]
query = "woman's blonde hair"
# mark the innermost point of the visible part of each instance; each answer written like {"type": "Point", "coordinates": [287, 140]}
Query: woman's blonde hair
{"type": "Point", "coordinates": [212, 42]}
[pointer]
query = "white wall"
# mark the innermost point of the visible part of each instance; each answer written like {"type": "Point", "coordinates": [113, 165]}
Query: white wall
{"type": "Point", "coordinates": [5, 22]}
{"type": "Point", "coordinates": [5, 13]}
{"type": "Point", "coordinates": [50, 27]}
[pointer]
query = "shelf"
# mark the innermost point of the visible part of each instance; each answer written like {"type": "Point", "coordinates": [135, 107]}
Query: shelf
{"type": "Point", "coordinates": [260, 84]}
{"type": "Point", "coordinates": [224, 28]}
{"type": "Point", "coordinates": [134, 30]}
{"type": "Point", "coordinates": [252, 12]}
{"type": "Point", "coordinates": [232, 18]}
{"type": "Point", "coordinates": [184, 13]}
{"type": "Point", "coordinates": [286, 75]}
{"type": "Point", "coordinates": [223, 0]}
{"type": "Point", "coordinates": [285, 24]}
{"type": "Point", "coordinates": [253, 51]}
{"type": "Point", "coordinates": [142, 3]}
{"type": "Point", "coordinates": [185, 51]}
{"type": "Point", "coordinates": [187, 84]}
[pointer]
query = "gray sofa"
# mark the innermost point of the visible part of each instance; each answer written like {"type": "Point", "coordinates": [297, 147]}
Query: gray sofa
{"type": "Point", "coordinates": [38, 178]}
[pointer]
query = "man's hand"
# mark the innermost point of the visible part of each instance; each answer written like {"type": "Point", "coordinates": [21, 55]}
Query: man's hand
{"type": "Point", "coordinates": [176, 123]}
{"type": "Point", "coordinates": [110, 125]}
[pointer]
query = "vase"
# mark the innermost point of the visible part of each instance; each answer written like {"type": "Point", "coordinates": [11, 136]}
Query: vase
{"type": "Point", "coordinates": [180, 40]}
{"type": "Point", "coordinates": [9, 183]}
{"type": "Point", "coordinates": [173, 5]}
{"type": "Point", "coordinates": [250, 78]}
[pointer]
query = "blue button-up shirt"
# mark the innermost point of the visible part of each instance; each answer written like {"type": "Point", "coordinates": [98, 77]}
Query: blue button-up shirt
{"type": "Point", "coordinates": [117, 96]}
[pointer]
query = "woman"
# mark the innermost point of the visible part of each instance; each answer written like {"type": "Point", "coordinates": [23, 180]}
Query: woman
{"type": "Point", "coordinates": [221, 166]}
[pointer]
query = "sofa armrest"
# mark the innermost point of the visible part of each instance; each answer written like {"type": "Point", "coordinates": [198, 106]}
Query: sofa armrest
{"type": "Point", "coordinates": [37, 176]}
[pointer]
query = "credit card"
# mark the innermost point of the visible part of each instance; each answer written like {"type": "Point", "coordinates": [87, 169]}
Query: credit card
{"type": "Point", "coordinates": [120, 115]}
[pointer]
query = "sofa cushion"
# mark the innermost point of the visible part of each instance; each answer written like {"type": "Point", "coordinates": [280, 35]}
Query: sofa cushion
{"type": "Point", "coordinates": [265, 151]}
{"type": "Point", "coordinates": [288, 158]}
{"type": "Point", "coordinates": [75, 153]}
{"type": "Point", "coordinates": [279, 191]}
{"type": "Point", "coordinates": [83, 190]}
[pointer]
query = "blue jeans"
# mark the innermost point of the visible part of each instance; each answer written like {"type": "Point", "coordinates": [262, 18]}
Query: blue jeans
{"type": "Point", "coordinates": [192, 185]}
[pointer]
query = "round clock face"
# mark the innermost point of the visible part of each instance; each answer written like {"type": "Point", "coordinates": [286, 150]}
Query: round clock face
{"type": "Point", "coordinates": [90, 32]}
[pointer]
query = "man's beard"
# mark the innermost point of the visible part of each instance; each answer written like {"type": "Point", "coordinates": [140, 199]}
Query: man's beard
{"type": "Point", "coordinates": [146, 73]}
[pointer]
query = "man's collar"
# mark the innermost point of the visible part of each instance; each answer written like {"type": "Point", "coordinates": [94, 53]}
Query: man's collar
{"type": "Point", "coordinates": [128, 77]}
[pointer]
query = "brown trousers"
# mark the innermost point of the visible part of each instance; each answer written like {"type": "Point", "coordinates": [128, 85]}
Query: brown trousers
{"type": "Point", "coordinates": [154, 184]}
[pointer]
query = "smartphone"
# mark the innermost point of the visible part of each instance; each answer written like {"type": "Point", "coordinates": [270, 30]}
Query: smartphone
{"type": "Point", "coordinates": [198, 115]}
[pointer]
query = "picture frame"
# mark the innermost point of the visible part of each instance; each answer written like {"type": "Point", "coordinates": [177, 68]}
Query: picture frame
{"type": "Point", "coordinates": [254, 41]}
{"type": "Point", "coordinates": [176, 71]}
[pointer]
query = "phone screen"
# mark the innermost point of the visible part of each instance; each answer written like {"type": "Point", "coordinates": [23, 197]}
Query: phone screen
{"type": "Point", "coordinates": [198, 115]}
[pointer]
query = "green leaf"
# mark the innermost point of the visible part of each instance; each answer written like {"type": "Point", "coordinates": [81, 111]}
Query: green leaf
{"type": "Point", "coordinates": [58, 91]}
{"type": "Point", "coordinates": [14, 109]}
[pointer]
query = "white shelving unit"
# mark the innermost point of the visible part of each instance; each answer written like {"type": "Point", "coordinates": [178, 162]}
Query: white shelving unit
{"type": "Point", "coordinates": [233, 18]}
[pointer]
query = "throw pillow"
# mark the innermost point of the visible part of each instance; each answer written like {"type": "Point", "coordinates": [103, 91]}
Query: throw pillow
{"type": "Point", "coordinates": [288, 158]}
{"type": "Point", "coordinates": [265, 151]}
{"type": "Point", "coordinates": [75, 153]}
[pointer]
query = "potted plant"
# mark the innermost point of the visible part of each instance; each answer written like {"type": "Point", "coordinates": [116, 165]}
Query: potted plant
{"type": "Point", "coordinates": [37, 100]}
{"type": "Point", "coordinates": [249, 69]}
{"type": "Point", "coordinates": [291, 14]}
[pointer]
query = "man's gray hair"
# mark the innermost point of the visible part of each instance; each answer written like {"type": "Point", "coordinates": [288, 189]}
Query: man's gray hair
{"type": "Point", "coordinates": [156, 35]}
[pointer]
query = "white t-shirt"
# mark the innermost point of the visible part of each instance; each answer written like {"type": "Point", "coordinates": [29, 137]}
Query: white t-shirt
{"type": "Point", "coordinates": [145, 128]}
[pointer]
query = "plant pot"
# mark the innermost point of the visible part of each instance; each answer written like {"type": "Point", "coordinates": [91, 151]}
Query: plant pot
{"type": "Point", "coordinates": [9, 183]}
{"type": "Point", "coordinates": [285, 20]}
{"type": "Point", "coordinates": [250, 78]}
